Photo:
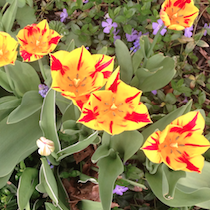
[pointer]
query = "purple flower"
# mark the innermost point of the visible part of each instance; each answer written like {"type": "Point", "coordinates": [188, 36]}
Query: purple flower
{"type": "Point", "coordinates": [133, 36]}
{"type": "Point", "coordinates": [63, 15]}
{"type": "Point", "coordinates": [154, 92]}
{"type": "Point", "coordinates": [185, 100]}
{"type": "Point", "coordinates": [86, 1]}
{"type": "Point", "coordinates": [115, 32]}
{"type": "Point", "coordinates": [43, 90]}
{"type": "Point", "coordinates": [107, 25]}
{"type": "Point", "coordinates": [119, 190]}
{"type": "Point", "coordinates": [49, 163]}
{"type": "Point", "coordinates": [206, 26]}
{"type": "Point", "coordinates": [188, 31]}
{"type": "Point", "coordinates": [157, 26]}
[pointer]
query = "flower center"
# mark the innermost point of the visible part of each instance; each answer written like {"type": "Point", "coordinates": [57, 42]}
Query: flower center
{"type": "Point", "coordinates": [76, 82]}
{"type": "Point", "coordinates": [113, 107]}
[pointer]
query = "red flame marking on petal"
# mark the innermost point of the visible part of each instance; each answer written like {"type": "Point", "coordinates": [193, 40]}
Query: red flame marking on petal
{"type": "Point", "coordinates": [25, 55]}
{"type": "Point", "coordinates": [186, 159]}
{"type": "Point", "coordinates": [111, 126]}
{"type": "Point", "coordinates": [24, 41]}
{"type": "Point", "coordinates": [90, 115]}
{"type": "Point", "coordinates": [168, 160]}
{"type": "Point", "coordinates": [44, 30]}
{"type": "Point", "coordinates": [54, 40]}
{"type": "Point", "coordinates": [98, 98]}
{"type": "Point", "coordinates": [190, 15]}
{"type": "Point", "coordinates": [80, 60]}
{"type": "Point", "coordinates": [127, 100]}
{"type": "Point", "coordinates": [115, 84]}
{"type": "Point", "coordinates": [153, 146]}
{"type": "Point", "coordinates": [136, 117]}
{"type": "Point", "coordinates": [188, 127]}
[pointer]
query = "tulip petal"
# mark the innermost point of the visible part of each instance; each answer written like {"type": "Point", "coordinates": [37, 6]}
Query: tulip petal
{"type": "Point", "coordinates": [190, 122]}
{"type": "Point", "coordinates": [151, 148]}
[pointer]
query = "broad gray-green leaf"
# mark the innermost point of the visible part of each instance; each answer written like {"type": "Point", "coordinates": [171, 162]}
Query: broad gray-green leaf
{"type": "Point", "coordinates": [51, 185]}
{"type": "Point", "coordinates": [26, 186]}
{"type": "Point", "coordinates": [9, 16]}
{"type": "Point", "coordinates": [127, 143]}
{"type": "Point", "coordinates": [17, 141]}
{"type": "Point", "coordinates": [124, 61]}
{"type": "Point", "coordinates": [77, 147]}
{"type": "Point", "coordinates": [4, 81]}
{"type": "Point", "coordinates": [31, 103]}
{"type": "Point", "coordinates": [47, 119]}
{"type": "Point", "coordinates": [90, 205]}
{"type": "Point", "coordinates": [109, 169]}
{"type": "Point", "coordinates": [24, 77]}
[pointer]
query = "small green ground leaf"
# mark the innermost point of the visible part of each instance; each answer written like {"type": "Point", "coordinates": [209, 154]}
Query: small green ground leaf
{"type": "Point", "coordinates": [124, 61]}
{"type": "Point", "coordinates": [109, 169]}
{"type": "Point", "coordinates": [90, 205]}
{"type": "Point", "coordinates": [31, 103]}
{"type": "Point", "coordinates": [50, 206]}
{"type": "Point", "coordinates": [26, 186]}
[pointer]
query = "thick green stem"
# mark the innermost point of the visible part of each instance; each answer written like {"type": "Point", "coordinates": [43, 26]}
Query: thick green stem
{"type": "Point", "coordinates": [42, 69]}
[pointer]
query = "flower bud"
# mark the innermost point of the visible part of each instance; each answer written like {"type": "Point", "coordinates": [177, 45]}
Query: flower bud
{"type": "Point", "coordinates": [46, 146]}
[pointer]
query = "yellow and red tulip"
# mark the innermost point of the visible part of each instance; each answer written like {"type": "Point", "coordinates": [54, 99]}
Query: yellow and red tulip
{"type": "Point", "coordinates": [178, 14]}
{"type": "Point", "coordinates": [180, 144]}
{"type": "Point", "coordinates": [78, 73]}
{"type": "Point", "coordinates": [115, 109]}
{"type": "Point", "coordinates": [37, 40]}
{"type": "Point", "coordinates": [8, 46]}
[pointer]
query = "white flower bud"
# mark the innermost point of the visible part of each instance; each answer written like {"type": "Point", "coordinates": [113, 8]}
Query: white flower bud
{"type": "Point", "coordinates": [45, 146]}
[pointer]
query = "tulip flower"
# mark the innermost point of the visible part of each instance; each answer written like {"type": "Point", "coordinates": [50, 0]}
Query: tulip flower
{"type": "Point", "coordinates": [115, 109]}
{"type": "Point", "coordinates": [46, 147]}
{"type": "Point", "coordinates": [8, 46]}
{"type": "Point", "coordinates": [78, 73]}
{"type": "Point", "coordinates": [37, 40]}
{"type": "Point", "coordinates": [178, 14]}
{"type": "Point", "coordinates": [180, 144]}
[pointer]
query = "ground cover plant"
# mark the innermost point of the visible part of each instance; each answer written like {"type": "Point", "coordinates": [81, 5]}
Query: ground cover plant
{"type": "Point", "coordinates": [104, 104]}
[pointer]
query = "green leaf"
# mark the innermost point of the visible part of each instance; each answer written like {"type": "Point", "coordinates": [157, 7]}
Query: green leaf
{"type": "Point", "coordinates": [50, 182]}
{"type": "Point", "coordinates": [50, 206]}
{"type": "Point", "coordinates": [20, 141]}
{"type": "Point", "coordinates": [71, 46]}
{"type": "Point", "coordinates": [201, 97]}
{"type": "Point", "coordinates": [24, 77]}
{"type": "Point", "coordinates": [88, 204]}
{"type": "Point", "coordinates": [163, 122]}
{"type": "Point", "coordinates": [170, 179]}
{"type": "Point", "coordinates": [26, 186]}
{"type": "Point", "coordinates": [127, 143]}
{"type": "Point", "coordinates": [103, 50]}
{"type": "Point", "coordinates": [137, 59]}
{"type": "Point", "coordinates": [31, 103]}
{"type": "Point", "coordinates": [189, 47]}
{"type": "Point", "coordinates": [47, 119]}
{"type": "Point", "coordinates": [192, 190]}
{"type": "Point", "coordinates": [109, 169]}
{"type": "Point", "coordinates": [4, 81]}
{"type": "Point", "coordinates": [77, 147]}
{"type": "Point", "coordinates": [127, 29]}
{"type": "Point", "coordinates": [7, 104]}
{"type": "Point", "coordinates": [145, 45]}
{"type": "Point", "coordinates": [202, 43]}
{"type": "Point", "coordinates": [5, 179]}
{"type": "Point", "coordinates": [9, 16]}
{"type": "Point", "coordinates": [161, 70]}
{"type": "Point", "coordinates": [124, 60]}
{"type": "Point", "coordinates": [30, 2]}
{"type": "Point", "coordinates": [170, 98]}
{"type": "Point", "coordinates": [25, 16]}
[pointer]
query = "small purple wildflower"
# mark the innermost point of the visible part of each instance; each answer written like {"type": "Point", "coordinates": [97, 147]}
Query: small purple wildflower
{"type": "Point", "coordinates": [154, 92]}
{"type": "Point", "coordinates": [206, 26]}
{"type": "Point", "coordinates": [119, 190]}
{"type": "Point", "coordinates": [87, 48]}
{"type": "Point", "coordinates": [115, 32]}
{"type": "Point", "coordinates": [63, 15]}
{"type": "Point", "coordinates": [107, 25]}
{"type": "Point", "coordinates": [188, 31]}
{"type": "Point", "coordinates": [49, 163]}
{"type": "Point", "coordinates": [43, 90]}
{"type": "Point", "coordinates": [185, 100]}
{"type": "Point", "coordinates": [133, 36]}
{"type": "Point", "coordinates": [86, 1]}
{"type": "Point", "coordinates": [156, 27]}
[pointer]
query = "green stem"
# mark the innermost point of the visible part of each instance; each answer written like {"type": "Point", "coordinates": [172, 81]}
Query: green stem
{"type": "Point", "coordinates": [155, 41]}
{"type": "Point", "coordinates": [42, 69]}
